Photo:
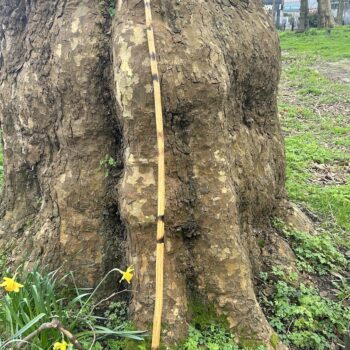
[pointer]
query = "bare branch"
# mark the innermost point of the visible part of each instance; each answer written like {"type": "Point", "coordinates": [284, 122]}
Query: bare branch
{"type": "Point", "coordinates": [54, 324]}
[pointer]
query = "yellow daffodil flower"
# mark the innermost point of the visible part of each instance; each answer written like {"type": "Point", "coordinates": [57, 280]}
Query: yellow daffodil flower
{"type": "Point", "coordinates": [127, 275]}
{"type": "Point", "coordinates": [11, 285]}
{"type": "Point", "coordinates": [60, 346]}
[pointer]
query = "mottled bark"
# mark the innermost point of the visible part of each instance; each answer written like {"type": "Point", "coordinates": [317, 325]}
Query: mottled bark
{"type": "Point", "coordinates": [56, 115]}
{"type": "Point", "coordinates": [304, 16]}
{"type": "Point", "coordinates": [62, 102]}
{"type": "Point", "coordinates": [225, 167]}
{"type": "Point", "coordinates": [325, 16]}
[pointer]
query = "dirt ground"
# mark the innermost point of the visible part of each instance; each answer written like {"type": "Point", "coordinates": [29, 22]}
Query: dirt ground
{"type": "Point", "coordinates": [338, 71]}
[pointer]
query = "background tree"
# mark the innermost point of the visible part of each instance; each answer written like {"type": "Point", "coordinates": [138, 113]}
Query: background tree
{"type": "Point", "coordinates": [304, 16]}
{"type": "Point", "coordinates": [76, 100]}
{"type": "Point", "coordinates": [278, 16]}
{"type": "Point", "coordinates": [274, 12]}
{"type": "Point", "coordinates": [340, 11]}
{"type": "Point", "coordinates": [325, 16]}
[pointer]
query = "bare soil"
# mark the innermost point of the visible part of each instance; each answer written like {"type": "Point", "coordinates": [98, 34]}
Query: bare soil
{"type": "Point", "coordinates": [337, 71]}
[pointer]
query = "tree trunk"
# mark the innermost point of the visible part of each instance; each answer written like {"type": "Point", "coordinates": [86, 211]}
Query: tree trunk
{"type": "Point", "coordinates": [57, 120]}
{"type": "Point", "coordinates": [325, 16]}
{"type": "Point", "coordinates": [304, 16]}
{"type": "Point", "coordinates": [278, 17]}
{"type": "Point", "coordinates": [274, 12]}
{"type": "Point", "coordinates": [340, 12]}
{"type": "Point", "coordinates": [76, 86]}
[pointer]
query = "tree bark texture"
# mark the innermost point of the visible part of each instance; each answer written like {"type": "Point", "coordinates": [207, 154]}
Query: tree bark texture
{"type": "Point", "coordinates": [55, 115]}
{"type": "Point", "coordinates": [76, 86]}
{"type": "Point", "coordinates": [304, 16]}
{"type": "Point", "coordinates": [325, 16]}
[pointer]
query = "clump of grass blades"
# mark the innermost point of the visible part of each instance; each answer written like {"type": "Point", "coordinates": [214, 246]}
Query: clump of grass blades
{"type": "Point", "coordinates": [45, 296]}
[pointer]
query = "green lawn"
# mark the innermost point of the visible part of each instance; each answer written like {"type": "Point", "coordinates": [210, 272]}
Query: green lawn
{"type": "Point", "coordinates": [315, 118]}
{"type": "Point", "coordinates": [331, 46]}
{"type": "Point", "coordinates": [309, 309]}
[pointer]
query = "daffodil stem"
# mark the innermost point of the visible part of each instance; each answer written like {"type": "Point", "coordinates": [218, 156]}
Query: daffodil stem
{"type": "Point", "coordinates": [93, 293]}
{"type": "Point", "coordinates": [54, 324]}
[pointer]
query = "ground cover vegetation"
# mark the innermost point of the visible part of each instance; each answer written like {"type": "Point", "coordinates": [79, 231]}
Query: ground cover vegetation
{"type": "Point", "coordinates": [314, 109]}
{"type": "Point", "coordinates": [32, 299]}
{"type": "Point", "coordinates": [308, 308]}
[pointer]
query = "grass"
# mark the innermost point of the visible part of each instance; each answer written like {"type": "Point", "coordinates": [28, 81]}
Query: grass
{"type": "Point", "coordinates": [330, 46]}
{"type": "Point", "coordinates": [315, 117]}
{"type": "Point", "coordinates": [315, 120]}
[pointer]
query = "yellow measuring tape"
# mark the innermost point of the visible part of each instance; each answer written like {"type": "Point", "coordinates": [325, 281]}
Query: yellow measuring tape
{"type": "Point", "coordinates": [157, 318]}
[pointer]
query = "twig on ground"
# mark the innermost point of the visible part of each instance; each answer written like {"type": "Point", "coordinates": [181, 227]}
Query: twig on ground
{"type": "Point", "coordinates": [54, 324]}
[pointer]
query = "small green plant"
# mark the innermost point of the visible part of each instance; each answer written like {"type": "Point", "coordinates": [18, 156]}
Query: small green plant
{"type": "Point", "coordinates": [212, 338]}
{"type": "Point", "coordinates": [315, 253]}
{"type": "Point", "coordinates": [342, 289]}
{"type": "Point", "coordinates": [209, 331]}
{"type": "Point", "coordinates": [301, 317]}
{"type": "Point", "coordinates": [117, 314]}
{"type": "Point", "coordinates": [107, 163]}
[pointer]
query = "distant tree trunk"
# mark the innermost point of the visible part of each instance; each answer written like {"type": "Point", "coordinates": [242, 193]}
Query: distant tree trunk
{"type": "Point", "coordinates": [340, 12]}
{"type": "Point", "coordinates": [304, 16]}
{"type": "Point", "coordinates": [274, 12]}
{"type": "Point", "coordinates": [325, 16]}
{"type": "Point", "coordinates": [76, 89]}
{"type": "Point", "coordinates": [278, 19]}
